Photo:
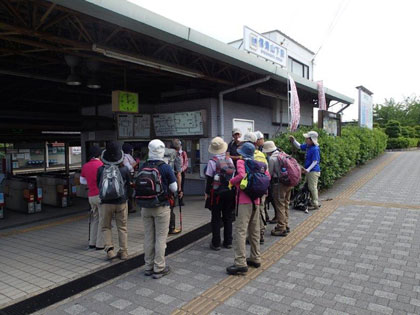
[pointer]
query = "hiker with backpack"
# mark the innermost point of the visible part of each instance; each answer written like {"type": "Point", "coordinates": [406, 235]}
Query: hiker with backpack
{"type": "Point", "coordinates": [232, 149]}
{"type": "Point", "coordinates": [153, 184]}
{"type": "Point", "coordinates": [312, 164]}
{"type": "Point", "coordinates": [251, 181]}
{"type": "Point", "coordinates": [220, 199]}
{"type": "Point", "coordinates": [176, 162]}
{"type": "Point", "coordinates": [285, 174]}
{"type": "Point", "coordinates": [113, 181]}
{"type": "Point", "coordinates": [131, 164]}
{"type": "Point", "coordinates": [88, 177]}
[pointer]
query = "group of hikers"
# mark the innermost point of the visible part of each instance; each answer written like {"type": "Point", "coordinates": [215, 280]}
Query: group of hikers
{"type": "Point", "coordinates": [242, 177]}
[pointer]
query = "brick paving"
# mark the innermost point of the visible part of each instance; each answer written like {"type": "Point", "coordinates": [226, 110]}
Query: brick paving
{"type": "Point", "coordinates": [362, 259]}
{"type": "Point", "coordinates": [35, 261]}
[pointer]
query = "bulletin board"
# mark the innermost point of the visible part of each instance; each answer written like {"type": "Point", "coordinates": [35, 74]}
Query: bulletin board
{"type": "Point", "coordinates": [178, 124]}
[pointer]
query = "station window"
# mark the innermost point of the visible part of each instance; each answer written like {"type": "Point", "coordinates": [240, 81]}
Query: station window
{"type": "Point", "coordinates": [298, 68]}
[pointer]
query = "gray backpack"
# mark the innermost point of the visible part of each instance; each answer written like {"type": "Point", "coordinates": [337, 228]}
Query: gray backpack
{"type": "Point", "coordinates": [111, 184]}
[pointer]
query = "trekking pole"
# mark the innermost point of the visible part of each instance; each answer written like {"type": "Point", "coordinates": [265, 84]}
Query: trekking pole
{"type": "Point", "coordinates": [180, 213]}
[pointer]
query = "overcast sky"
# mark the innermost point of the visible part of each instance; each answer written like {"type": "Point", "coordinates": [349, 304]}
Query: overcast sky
{"type": "Point", "coordinates": [374, 43]}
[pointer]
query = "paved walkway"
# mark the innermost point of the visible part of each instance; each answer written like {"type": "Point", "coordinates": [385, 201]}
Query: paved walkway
{"type": "Point", "coordinates": [42, 256]}
{"type": "Point", "coordinates": [358, 254]}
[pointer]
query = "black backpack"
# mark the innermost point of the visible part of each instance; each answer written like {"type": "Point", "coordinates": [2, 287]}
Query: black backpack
{"type": "Point", "coordinates": [111, 186]}
{"type": "Point", "coordinates": [148, 185]}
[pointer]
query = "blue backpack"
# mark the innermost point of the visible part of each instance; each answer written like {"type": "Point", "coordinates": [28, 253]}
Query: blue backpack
{"type": "Point", "coordinates": [258, 181]}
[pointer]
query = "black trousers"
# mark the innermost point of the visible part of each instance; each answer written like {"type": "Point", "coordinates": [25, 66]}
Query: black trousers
{"type": "Point", "coordinates": [222, 213]}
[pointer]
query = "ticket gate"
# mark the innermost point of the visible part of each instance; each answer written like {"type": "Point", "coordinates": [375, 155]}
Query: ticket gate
{"type": "Point", "coordinates": [22, 194]}
{"type": "Point", "coordinates": [58, 189]}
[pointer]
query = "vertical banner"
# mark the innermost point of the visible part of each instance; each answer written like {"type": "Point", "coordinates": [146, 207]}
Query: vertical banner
{"type": "Point", "coordinates": [294, 105]}
{"type": "Point", "coordinates": [322, 103]}
{"type": "Point", "coordinates": [365, 107]}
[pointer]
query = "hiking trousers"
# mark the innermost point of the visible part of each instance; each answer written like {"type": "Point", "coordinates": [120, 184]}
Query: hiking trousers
{"type": "Point", "coordinates": [96, 235]}
{"type": "Point", "coordinates": [281, 200]}
{"type": "Point", "coordinates": [262, 215]}
{"type": "Point", "coordinates": [247, 221]}
{"type": "Point", "coordinates": [121, 212]}
{"type": "Point", "coordinates": [312, 180]}
{"type": "Point", "coordinates": [156, 227]}
{"type": "Point", "coordinates": [222, 213]}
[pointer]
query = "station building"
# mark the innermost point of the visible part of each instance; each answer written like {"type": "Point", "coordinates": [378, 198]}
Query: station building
{"type": "Point", "coordinates": [66, 68]}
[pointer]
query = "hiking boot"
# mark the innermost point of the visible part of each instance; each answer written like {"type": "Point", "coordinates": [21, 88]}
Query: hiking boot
{"type": "Point", "coordinates": [99, 248]}
{"type": "Point", "coordinates": [214, 247]}
{"type": "Point", "coordinates": [251, 263]}
{"type": "Point", "coordinates": [235, 270]}
{"type": "Point", "coordinates": [174, 231]}
{"type": "Point", "coordinates": [262, 239]}
{"type": "Point", "coordinates": [228, 246]}
{"type": "Point", "coordinates": [92, 246]}
{"type": "Point", "coordinates": [148, 273]}
{"type": "Point", "coordinates": [313, 207]}
{"type": "Point", "coordinates": [288, 230]}
{"type": "Point", "coordinates": [160, 274]}
{"type": "Point", "coordinates": [110, 254]}
{"type": "Point", "coordinates": [122, 255]}
{"type": "Point", "coordinates": [279, 233]}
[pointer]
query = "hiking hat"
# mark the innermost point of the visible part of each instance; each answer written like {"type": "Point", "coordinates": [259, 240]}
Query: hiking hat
{"type": "Point", "coordinates": [259, 135]}
{"type": "Point", "coordinates": [313, 135]}
{"type": "Point", "coordinates": [113, 153]}
{"type": "Point", "coordinates": [269, 146]}
{"type": "Point", "coordinates": [217, 146]}
{"type": "Point", "coordinates": [247, 150]}
{"type": "Point", "coordinates": [235, 131]}
{"type": "Point", "coordinates": [250, 137]}
{"type": "Point", "coordinates": [95, 152]}
{"type": "Point", "coordinates": [156, 149]}
{"type": "Point", "coordinates": [127, 148]}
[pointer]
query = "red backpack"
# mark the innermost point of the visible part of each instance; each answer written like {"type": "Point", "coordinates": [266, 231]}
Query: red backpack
{"type": "Point", "coordinates": [224, 173]}
{"type": "Point", "coordinates": [290, 171]}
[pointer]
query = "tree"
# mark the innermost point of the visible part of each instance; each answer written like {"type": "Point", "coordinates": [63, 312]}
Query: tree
{"type": "Point", "coordinates": [393, 129]}
{"type": "Point", "coordinates": [406, 112]}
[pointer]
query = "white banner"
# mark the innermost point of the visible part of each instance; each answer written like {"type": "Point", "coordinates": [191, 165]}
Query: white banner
{"type": "Point", "coordinates": [365, 109]}
{"type": "Point", "coordinates": [263, 47]}
{"type": "Point", "coordinates": [322, 103]}
{"type": "Point", "coordinates": [294, 105]}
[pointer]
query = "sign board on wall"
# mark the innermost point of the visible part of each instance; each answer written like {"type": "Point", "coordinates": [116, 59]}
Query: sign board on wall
{"type": "Point", "coordinates": [264, 47]}
{"type": "Point", "coordinates": [142, 126]}
{"type": "Point", "coordinates": [244, 125]}
{"type": "Point", "coordinates": [178, 124]}
{"type": "Point", "coordinates": [365, 107]}
{"type": "Point", "coordinates": [125, 102]}
{"type": "Point", "coordinates": [330, 122]}
{"type": "Point", "coordinates": [133, 126]}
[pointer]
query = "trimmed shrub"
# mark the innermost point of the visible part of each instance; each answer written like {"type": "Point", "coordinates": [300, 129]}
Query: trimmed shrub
{"type": "Point", "coordinates": [338, 154]}
{"type": "Point", "coordinates": [398, 143]}
{"type": "Point", "coordinates": [393, 129]}
{"type": "Point", "coordinates": [417, 129]}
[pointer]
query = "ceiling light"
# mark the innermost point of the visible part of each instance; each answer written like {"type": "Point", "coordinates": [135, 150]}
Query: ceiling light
{"type": "Point", "coordinates": [93, 83]}
{"type": "Point", "coordinates": [73, 79]}
{"type": "Point", "coordinates": [144, 62]}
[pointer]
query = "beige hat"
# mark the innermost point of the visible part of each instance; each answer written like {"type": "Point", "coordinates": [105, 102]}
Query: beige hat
{"type": "Point", "coordinates": [217, 146]}
{"type": "Point", "coordinates": [313, 135]}
{"type": "Point", "coordinates": [250, 136]}
{"type": "Point", "coordinates": [269, 146]}
{"type": "Point", "coordinates": [235, 131]}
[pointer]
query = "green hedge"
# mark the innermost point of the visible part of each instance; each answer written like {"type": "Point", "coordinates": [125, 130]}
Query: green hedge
{"type": "Point", "coordinates": [339, 154]}
{"type": "Point", "coordinates": [402, 143]}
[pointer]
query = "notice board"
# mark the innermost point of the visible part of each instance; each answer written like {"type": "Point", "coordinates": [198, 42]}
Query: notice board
{"type": "Point", "coordinates": [178, 124]}
{"type": "Point", "coordinates": [133, 126]}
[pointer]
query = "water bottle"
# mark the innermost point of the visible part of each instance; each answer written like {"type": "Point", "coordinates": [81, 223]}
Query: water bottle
{"type": "Point", "coordinates": [283, 170]}
{"type": "Point", "coordinates": [216, 181]}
